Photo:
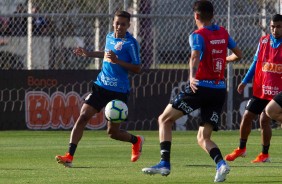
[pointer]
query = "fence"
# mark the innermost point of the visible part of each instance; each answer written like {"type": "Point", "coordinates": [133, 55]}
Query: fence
{"type": "Point", "coordinates": [40, 35]}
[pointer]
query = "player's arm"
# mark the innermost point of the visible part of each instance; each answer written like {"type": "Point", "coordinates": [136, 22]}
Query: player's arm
{"type": "Point", "coordinates": [196, 43]}
{"type": "Point", "coordinates": [193, 65]}
{"type": "Point", "coordinates": [83, 52]}
{"type": "Point", "coordinates": [236, 52]}
{"type": "Point", "coordinates": [249, 75]}
{"type": "Point", "coordinates": [135, 68]}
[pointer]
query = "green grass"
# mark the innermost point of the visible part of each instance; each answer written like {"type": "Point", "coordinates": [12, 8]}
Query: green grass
{"type": "Point", "coordinates": [28, 157]}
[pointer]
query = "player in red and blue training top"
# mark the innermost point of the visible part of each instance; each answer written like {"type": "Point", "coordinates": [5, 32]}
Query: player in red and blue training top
{"type": "Point", "coordinates": [267, 71]}
{"type": "Point", "coordinates": [121, 54]}
{"type": "Point", "coordinates": [206, 90]}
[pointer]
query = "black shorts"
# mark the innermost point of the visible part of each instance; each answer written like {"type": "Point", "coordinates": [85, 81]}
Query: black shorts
{"type": "Point", "coordinates": [278, 99]}
{"type": "Point", "coordinates": [256, 105]}
{"type": "Point", "coordinates": [99, 97]}
{"type": "Point", "coordinates": [209, 100]}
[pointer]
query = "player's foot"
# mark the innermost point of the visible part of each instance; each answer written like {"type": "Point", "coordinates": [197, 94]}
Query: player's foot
{"type": "Point", "coordinates": [261, 158]}
{"type": "Point", "coordinates": [235, 154]}
{"type": "Point", "coordinates": [162, 168]}
{"type": "Point", "coordinates": [222, 169]}
{"type": "Point", "coordinates": [137, 148]}
{"type": "Point", "coordinates": [66, 160]}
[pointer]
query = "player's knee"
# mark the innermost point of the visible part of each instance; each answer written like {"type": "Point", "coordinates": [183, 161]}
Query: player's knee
{"type": "Point", "coordinates": [113, 134]}
{"type": "Point", "coordinates": [163, 120]}
{"type": "Point", "coordinates": [248, 117]}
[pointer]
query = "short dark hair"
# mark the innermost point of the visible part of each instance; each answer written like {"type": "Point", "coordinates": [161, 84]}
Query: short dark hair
{"type": "Point", "coordinates": [204, 8]}
{"type": "Point", "coordinates": [276, 18]}
{"type": "Point", "coordinates": [124, 14]}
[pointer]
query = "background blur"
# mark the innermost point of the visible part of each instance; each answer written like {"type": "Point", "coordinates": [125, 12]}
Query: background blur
{"type": "Point", "coordinates": [42, 84]}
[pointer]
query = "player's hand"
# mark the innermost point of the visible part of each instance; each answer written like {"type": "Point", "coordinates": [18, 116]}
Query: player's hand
{"type": "Point", "coordinates": [80, 52]}
{"type": "Point", "coordinates": [193, 84]}
{"type": "Point", "coordinates": [240, 88]}
{"type": "Point", "coordinates": [111, 56]}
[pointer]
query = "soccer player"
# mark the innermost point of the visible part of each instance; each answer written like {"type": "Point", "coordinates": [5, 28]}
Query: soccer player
{"type": "Point", "coordinates": [121, 55]}
{"type": "Point", "coordinates": [267, 83]}
{"type": "Point", "coordinates": [206, 90]}
{"type": "Point", "coordinates": [274, 108]}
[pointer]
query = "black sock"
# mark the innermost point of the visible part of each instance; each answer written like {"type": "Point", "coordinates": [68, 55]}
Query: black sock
{"type": "Point", "coordinates": [72, 148]}
{"type": "Point", "coordinates": [215, 154]}
{"type": "Point", "coordinates": [165, 150]}
{"type": "Point", "coordinates": [243, 143]}
{"type": "Point", "coordinates": [133, 139]}
{"type": "Point", "coordinates": [265, 149]}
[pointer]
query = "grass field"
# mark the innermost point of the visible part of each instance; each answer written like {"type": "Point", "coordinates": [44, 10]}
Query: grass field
{"type": "Point", "coordinates": [28, 157]}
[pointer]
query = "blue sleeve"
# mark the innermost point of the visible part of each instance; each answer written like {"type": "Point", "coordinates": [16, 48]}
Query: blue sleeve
{"type": "Point", "coordinates": [231, 43]}
{"type": "Point", "coordinates": [134, 52]}
{"type": "Point", "coordinates": [196, 42]}
{"type": "Point", "coordinates": [251, 72]}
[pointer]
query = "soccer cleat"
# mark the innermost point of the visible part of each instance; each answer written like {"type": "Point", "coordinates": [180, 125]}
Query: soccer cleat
{"type": "Point", "coordinates": [162, 168]}
{"type": "Point", "coordinates": [222, 169]}
{"type": "Point", "coordinates": [137, 148]}
{"type": "Point", "coordinates": [66, 160]}
{"type": "Point", "coordinates": [235, 154]}
{"type": "Point", "coordinates": [261, 158]}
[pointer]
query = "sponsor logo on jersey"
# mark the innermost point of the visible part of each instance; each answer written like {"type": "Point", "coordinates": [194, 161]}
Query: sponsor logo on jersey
{"type": "Point", "coordinates": [272, 67]}
{"type": "Point", "coordinates": [118, 45]}
{"type": "Point", "coordinates": [216, 42]}
{"type": "Point", "coordinates": [264, 41]}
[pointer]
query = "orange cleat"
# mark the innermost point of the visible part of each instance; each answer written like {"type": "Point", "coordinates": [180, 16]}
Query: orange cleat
{"type": "Point", "coordinates": [235, 154]}
{"type": "Point", "coordinates": [261, 158]}
{"type": "Point", "coordinates": [137, 149]}
{"type": "Point", "coordinates": [66, 160]}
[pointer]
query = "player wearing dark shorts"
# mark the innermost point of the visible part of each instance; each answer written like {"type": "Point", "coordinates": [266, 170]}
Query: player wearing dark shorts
{"type": "Point", "coordinates": [121, 55]}
{"type": "Point", "coordinates": [274, 108]}
{"type": "Point", "coordinates": [210, 105]}
{"type": "Point", "coordinates": [266, 84]}
{"type": "Point", "coordinates": [99, 97]}
{"type": "Point", "coordinates": [206, 90]}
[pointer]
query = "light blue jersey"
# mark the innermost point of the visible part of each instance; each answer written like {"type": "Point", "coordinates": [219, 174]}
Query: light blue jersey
{"type": "Point", "coordinates": [112, 76]}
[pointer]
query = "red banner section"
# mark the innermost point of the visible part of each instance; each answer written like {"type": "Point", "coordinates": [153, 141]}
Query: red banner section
{"type": "Point", "coordinates": [52, 99]}
{"type": "Point", "coordinates": [57, 111]}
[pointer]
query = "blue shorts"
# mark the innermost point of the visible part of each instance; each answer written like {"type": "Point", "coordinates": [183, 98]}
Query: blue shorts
{"type": "Point", "coordinates": [209, 100]}
{"type": "Point", "coordinates": [99, 97]}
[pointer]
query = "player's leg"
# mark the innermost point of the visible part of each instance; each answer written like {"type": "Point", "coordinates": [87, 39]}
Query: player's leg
{"type": "Point", "coordinates": [166, 121]}
{"type": "Point", "coordinates": [274, 108]}
{"type": "Point", "coordinates": [245, 130]}
{"type": "Point", "coordinates": [86, 114]}
{"type": "Point", "coordinates": [254, 107]}
{"type": "Point", "coordinates": [116, 133]}
{"type": "Point", "coordinates": [266, 134]}
{"type": "Point", "coordinates": [205, 142]}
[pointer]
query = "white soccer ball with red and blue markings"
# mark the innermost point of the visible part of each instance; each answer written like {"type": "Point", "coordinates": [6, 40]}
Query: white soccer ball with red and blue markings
{"type": "Point", "coordinates": [116, 111]}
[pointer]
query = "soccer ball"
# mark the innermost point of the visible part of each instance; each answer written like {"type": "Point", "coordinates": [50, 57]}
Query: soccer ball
{"type": "Point", "coordinates": [116, 111]}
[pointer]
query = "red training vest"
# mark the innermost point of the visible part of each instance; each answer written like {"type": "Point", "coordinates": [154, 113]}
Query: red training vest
{"type": "Point", "coordinates": [212, 65]}
{"type": "Point", "coordinates": [268, 74]}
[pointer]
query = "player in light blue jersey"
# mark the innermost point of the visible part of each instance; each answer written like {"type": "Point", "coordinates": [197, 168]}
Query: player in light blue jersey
{"type": "Point", "coordinates": [121, 55]}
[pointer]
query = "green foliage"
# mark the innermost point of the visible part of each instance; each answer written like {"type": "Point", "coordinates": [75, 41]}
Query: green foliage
{"type": "Point", "coordinates": [28, 157]}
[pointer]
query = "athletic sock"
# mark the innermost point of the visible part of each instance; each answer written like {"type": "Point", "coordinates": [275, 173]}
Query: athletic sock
{"type": "Point", "coordinates": [72, 148]}
{"type": "Point", "coordinates": [133, 139]}
{"type": "Point", "coordinates": [165, 150]}
{"type": "Point", "coordinates": [215, 154]}
{"type": "Point", "coordinates": [243, 143]}
{"type": "Point", "coordinates": [265, 149]}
